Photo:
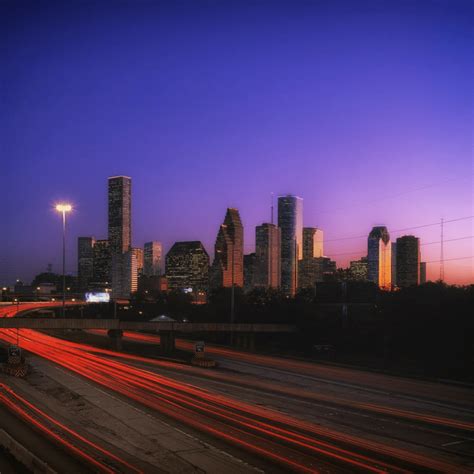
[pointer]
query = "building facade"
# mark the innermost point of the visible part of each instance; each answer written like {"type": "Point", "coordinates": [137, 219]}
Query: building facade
{"type": "Point", "coordinates": [152, 254]}
{"type": "Point", "coordinates": [120, 233]}
{"type": "Point", "coordinates": [267, 256]}
{"type": "Point", "coordinates": [358, 270]}
{"type": "Point", "coordinates": [290, 221]}
{"type": "Point", "coordinates": [102, 264]}
{"type": "Point", "coordinates": [130, 266]}
{"type": "Point", "coordinates": [394, 264]}
{"type": "Point", "coordinates": [85, 262]}
{"type": "Point", "coordinates": [120, 217]}
{"type": "Point", "coordinates": [312, 242]}
{"type": "Point", "coordinates": [408, 261]}
{"type": "Point", "coordinates": [379, 258]}
{"type": "Point", "coordinates": [228, 264]}
{"type": "Point", "coordinates": [314, 270]}
{"type": "Point", "coordinates": [250, 266]}
{"type": "Point", "coordinates": [187, 266]}
{"type": "Point", "coordinates": [139, 253]}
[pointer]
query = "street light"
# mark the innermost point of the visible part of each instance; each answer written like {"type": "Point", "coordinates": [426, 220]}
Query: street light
{"type": "Point", "coordinates": [63, 209]}
{"type": "Point", "coordinates": [17, 301]}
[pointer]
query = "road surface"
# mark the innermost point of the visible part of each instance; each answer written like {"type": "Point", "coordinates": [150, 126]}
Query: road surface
{"type": "Point", "coordinates": [278, 413]}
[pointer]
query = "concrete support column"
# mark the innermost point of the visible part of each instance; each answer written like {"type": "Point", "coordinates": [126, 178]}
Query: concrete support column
{"type": "Point", "coordinates": [250, 343]}
{"type": "Point", "coordinates": [115, 336]}
{"type": "Point", "coordinates": [167, 342]}
{"type": "Point", "coordinates": [245, 341]}
{"type": "Point", "coordinates": [239, 340]}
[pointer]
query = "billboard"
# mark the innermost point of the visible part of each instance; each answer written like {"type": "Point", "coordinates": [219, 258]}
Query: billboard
{"type": "Point", "coordinates": [97, 297]}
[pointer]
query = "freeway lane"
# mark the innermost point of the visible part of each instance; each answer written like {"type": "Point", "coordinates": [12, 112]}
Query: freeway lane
{"type": "Point", "coordinates": [438, 430]}
{"type": "Point", "coordinates": [283, 389]}
{"type": "Point", "coordinates": [292, 442]}
{"type": "Point", "coordinates": [388, 384]}
{"type": "Point", "coordinates": [281, 439]}
{"type": "Point", "coordinates": [93, 455]}
{"type": "Point", "coordinates": [385, 384]}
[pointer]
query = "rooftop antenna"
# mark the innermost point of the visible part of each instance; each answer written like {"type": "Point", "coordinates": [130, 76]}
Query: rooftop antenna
{"type": "Point", "coordinates": [271, 207]}
{"type": "Point", "coordinates": [441, 259]}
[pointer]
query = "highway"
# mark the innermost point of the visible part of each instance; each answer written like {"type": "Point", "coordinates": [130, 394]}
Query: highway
{"type": "Point", "coordinates": [93, 455]}
{"type": "Point", "coordinates": [382, 383]}
{"type": "Point", "coordinates": [228, 406]}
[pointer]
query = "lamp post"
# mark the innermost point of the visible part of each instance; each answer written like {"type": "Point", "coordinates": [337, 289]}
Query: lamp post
{"type": "Point", "coordinates": [17, 302]}
{"type": "Point", "coordinates": [63, 209]}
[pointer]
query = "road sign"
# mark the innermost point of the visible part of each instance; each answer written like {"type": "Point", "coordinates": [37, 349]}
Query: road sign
{"type": "Point", "coordinates": [121, 301]}
{"type": "Point", "coordinates": [199, 346]}
{"type": "Point", "coordinates": [14, 351]}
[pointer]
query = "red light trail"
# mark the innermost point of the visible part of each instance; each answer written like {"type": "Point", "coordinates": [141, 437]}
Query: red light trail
{"type": "Point", "coordinates": [101, 459]}
{"type": "Point", "coordinates": [285, 390]}
{"type": "Point", "coordinates": [293, 443]}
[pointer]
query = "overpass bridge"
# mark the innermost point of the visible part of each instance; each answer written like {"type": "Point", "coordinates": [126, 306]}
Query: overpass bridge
{"type": "Point", "coordinates": [245, 333]}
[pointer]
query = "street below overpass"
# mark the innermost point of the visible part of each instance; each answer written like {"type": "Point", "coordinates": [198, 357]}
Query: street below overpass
{"type": "Point", "coordinates": [279, 414]}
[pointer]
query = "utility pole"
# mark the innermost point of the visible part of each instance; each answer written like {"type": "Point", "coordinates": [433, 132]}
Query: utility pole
{"type": "Point", "coordinates": [232, 293]}
{"type": "Point", "coordinates": [232, 300]}
{"type": "Point", "coordinates": [270, 249]}
{"type": "Point", "coordinates": [64, 263]}
{"type": "Point", "coordinates": [63, 209]}
{"type": "Point", "coordinates": [296, 267]}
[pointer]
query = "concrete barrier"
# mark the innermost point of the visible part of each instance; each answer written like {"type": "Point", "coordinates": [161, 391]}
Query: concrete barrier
{"type": "Point", "coordinates": [23, 455]}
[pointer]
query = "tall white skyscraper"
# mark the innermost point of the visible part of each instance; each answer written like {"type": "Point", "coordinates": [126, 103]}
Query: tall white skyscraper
{"type": "Point", "coordinates": [290, 221]}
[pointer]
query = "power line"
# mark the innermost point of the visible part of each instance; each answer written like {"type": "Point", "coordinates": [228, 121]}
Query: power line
{"type": "Point", "coordinates": [451, 259]}
{"type": "Point", "coordinates": [449, 240]}
{"type": "Point", "coordinates": [396, 195]}
{"type": "Point", "coordinates": [358, 252]}
{"type": "Point", "coordinates": [403, 229]}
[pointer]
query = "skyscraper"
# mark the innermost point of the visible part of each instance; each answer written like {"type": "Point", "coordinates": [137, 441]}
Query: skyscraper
{"type": "Point", "coordinates": [102, 264]}
{"type": "Point", "coordinates": [228, 264]}
{"type": "Point", "coordinates": [314, 270]}
{"type": "Point", "coordinates": [85, 262]}
{"type": "Point", "coordinates": [358, 269]}
{"type": "Point", "coordinates": [379, 255]}
{"type": "Point", "coordinates": [152, 259]}
{"type": "Point", "coordinates": [187, 266]}
{"type": "Point", "coordinates": [268, 254]}
{"type": "Point", "coordinates": [312, 242]}
{"type": "Point", "coordinates": [408, 261]}
{"type": "Point", "coordinates": [120, 230]}
{"type": "Point", "coordinates": [250, 264]}
{"type": "Point", "coordinates": [120, 219]}
{"type": "Point", "coordinates": [130, 269]}
{"type": "Point", "coordinates": [290, 221]}
{"type": "Point", "coordinates": [422, 273]}
{"type": "Point", "coordinates": [394, 264]}
{"type": "Point", "coordinates": [140, 259]}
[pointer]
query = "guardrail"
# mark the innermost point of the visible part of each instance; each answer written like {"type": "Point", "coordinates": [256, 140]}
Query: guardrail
{"type": "Point", "coordinates": [60, 323]}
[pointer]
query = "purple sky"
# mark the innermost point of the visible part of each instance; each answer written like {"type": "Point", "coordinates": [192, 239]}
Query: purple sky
{"type": "Point", "coordinates": [364, 109]}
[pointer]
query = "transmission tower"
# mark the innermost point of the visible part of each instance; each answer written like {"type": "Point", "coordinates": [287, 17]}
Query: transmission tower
{"type": "Point", "coordinates": [441, 257]}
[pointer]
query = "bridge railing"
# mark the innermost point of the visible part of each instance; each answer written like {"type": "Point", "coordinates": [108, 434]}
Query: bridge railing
{"type": "Point", "coordinates": [59, 323]}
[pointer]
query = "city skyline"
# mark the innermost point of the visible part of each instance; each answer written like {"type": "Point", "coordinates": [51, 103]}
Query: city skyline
{"type": "Point", "coordinates": [344, 110]}
{"type": "Point", "coordinates": [434, 266]}
{"type": "Point", "coordinates": [237, 236]}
